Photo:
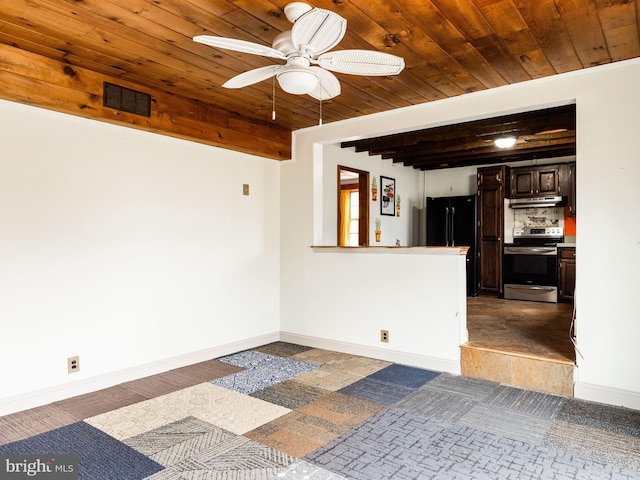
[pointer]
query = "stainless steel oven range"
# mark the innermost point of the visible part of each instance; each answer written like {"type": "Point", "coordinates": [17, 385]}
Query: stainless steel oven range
{"type": "Point", "coordinates": [530, 269]}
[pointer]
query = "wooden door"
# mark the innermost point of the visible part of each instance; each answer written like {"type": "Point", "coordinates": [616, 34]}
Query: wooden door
{"type": "Point", "coordinates": [491, 194]}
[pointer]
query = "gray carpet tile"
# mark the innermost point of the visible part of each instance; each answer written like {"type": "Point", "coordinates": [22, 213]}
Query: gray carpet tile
{"type": "Point", "coordinates": [443, 406]}
{"type": "Point", "coordinates": [263, 376]}
{"type": "Point", "coordinates": [176, 441]}
{"type": "Point", "coordinates": [252, 359]}
{"type": "Point", "coordinates": [404, 375]}
{"type": "Point", "coordinates": [290, 394]}
{"type": "Point", "coordinates": [602, 417]}
{"type": "Point", "coordinates": [510, 424]}
{"type": "Point", "coordinates": [473, 388]}
{"type": "Point", "coordinates": [302, 470]}
{"type": "Point", "coordinates": [595, 444]}
{"type": "Point", "coordinates": [262, 371]}
{"type": "Point", "coordinates": [540, 404]}
{"type": "Point", "coordinates": [377, 391]}
{"type": "Point", "coordinates": [237, 458]}
{"type": "Point", "coordinates": [396, 444]}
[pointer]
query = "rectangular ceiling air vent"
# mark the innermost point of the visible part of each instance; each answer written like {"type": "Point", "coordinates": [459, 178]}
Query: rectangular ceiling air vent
{"type": "Point", "coordinates": [127, 100]}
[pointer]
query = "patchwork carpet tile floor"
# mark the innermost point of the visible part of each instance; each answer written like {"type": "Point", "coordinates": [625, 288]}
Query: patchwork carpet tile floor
{"type": "Point", "coordinates": [285, 411]}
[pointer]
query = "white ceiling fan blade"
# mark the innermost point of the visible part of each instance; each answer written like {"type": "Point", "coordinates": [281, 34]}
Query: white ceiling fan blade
{"type": "Point", "coordinates": [239, 46]}
{"type": "Point", "coordinates": [328, 85]}
{"type": "Point", "coordinates": [252, 76]}
{"type": "Point", "coordinates": [361, 62]}
{"type": "Point", "coordinates": [318, 31]}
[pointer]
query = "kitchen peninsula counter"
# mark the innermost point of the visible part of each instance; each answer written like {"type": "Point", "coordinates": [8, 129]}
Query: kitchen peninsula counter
{"type": "Point", "coordinates": [396, 250]}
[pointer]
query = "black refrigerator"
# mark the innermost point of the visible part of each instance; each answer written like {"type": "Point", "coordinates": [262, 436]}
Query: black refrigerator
{"type": "Point", "coordinates": [452, 222]}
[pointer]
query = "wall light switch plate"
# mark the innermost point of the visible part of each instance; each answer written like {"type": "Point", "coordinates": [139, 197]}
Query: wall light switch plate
{"type": "Point", "coordinates": [245, 189]}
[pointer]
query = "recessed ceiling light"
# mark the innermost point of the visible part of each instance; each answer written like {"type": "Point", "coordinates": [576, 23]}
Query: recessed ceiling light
{"type": "Point", "coordinates": [505, 142]}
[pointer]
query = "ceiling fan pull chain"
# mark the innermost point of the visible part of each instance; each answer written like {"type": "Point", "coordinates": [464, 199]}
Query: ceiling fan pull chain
{"type": "Point", "coordinates": [320, 80]}
{"type": "Point", "coordinates": [273, 98]}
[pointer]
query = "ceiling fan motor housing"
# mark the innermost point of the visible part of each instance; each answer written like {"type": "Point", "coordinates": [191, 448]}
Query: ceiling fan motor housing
{"type": "Point", "coordinates": [296, 77]}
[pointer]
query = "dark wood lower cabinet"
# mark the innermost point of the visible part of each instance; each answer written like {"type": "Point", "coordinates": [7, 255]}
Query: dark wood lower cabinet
{"type": "Point", "coordinates": [566, 274]}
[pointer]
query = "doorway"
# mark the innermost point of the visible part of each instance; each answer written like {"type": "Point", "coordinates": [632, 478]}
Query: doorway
{"type": "Point", "coordinates": [353, 207]}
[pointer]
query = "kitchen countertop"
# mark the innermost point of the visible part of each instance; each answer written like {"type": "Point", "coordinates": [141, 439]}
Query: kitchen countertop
{"type": "Point", "coordinates": [566, 245]}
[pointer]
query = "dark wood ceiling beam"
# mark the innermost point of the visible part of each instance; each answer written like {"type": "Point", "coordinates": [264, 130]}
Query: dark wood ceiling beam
{"type": "Point", "coordinates": [527, 123]}
{"type": "Point", "coordinates": [493, 156]}
{"type": "Point", "coordinates": [472, 145]}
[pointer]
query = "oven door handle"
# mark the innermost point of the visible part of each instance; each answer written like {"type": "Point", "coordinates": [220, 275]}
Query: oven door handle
{"type": "Point", "coordinates": [531, 287]}
{"type": "Point", "coordinates": [530, 251]}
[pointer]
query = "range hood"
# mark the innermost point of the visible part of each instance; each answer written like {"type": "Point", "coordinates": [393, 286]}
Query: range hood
{"type": "Point", "coordinates": [550, 201]}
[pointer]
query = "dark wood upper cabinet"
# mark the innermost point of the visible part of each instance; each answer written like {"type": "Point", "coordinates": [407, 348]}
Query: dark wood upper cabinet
{"type": "Point", "coordinates": [492, 189]}
{"type": "Point", "coordinates": [534, 181]}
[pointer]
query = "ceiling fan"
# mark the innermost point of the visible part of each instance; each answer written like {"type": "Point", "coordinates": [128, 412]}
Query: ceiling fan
{"type": "Point", "coordinates": [315, 31]}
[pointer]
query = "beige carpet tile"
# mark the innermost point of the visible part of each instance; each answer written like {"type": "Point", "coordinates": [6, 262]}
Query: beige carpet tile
{"type": "Point", "coordinates": [221, 407]}
{"type": "Point", "coordinates": [35, 421]}
{"type": "Point", "coordinates": [95, 403]}
{"type": "Point", "coordinates": [328, 379]}
{"type": "Point", "coordinates": [282, 349]}
{"type": "Point", "coordinates": [290, 394]}
{"type": "Point", "coordinates": [360, 366]}
{"type": "Point", "coordinates": [342, 362]}
{"type": "Point", "coordinates": [322, 357]}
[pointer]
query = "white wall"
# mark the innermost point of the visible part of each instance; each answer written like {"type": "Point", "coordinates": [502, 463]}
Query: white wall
{"type": "Point", "coordinates": [129, 249]}
{"type": "Point", "coordinates": [408, 186]}
{"type": "Point", "coordinates": [608, 236]}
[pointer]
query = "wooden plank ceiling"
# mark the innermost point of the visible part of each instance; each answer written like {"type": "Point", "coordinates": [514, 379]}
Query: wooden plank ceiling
{"type": "Point", "coordinates": [450, 47]}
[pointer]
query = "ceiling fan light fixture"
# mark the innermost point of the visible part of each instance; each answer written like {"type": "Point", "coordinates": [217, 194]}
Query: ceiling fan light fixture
{"type": "Point", "coordinates": [505, 142]}
{"type": "Point", "coordinates": [298, 81]}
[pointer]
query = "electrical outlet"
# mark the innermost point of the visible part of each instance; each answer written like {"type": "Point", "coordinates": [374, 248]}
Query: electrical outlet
{"type": "Point", "coordinates": [384, 336]}
{"type": "Point", "coordinates": [245, 189]}
{"type": "Point", "coordinates": [73, 364]}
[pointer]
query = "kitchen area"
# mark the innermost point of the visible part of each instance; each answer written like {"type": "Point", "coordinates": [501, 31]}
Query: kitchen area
{"type": "Point", "coordinates": [514, 206]}
{"type": "Point", "coordinates": [522, 323]}
{"type": "Point", "coordinates": [521, 228]}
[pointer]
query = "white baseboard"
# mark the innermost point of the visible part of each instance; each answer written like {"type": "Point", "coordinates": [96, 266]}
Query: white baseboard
{"type": "Point", "coordinates": [608, 395]}
{"type": "Point", "coordinates": [60, 392]}
{"type": "Point", "coordinates": [412, 359]}
{"type": "Point", "coordinates": [585, 391]}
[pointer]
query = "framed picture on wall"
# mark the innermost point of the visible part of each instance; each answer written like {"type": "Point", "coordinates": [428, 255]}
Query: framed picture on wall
{"type": "Point", "coordinates": [388, 194]}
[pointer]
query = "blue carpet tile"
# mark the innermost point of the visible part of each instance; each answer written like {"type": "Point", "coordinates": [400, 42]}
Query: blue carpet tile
{"type": "Point", "coordinates": [403, 375]}
{"type": "Point", "coordinates": [377, 391]}
{"type": "Point", "coordinates": [100, 456]}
